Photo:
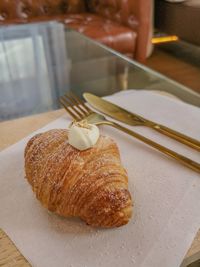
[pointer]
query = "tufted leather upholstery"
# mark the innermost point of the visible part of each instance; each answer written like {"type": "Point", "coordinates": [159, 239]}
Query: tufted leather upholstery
{"type": "Point", "coordinates": [135, 14]}
{"type": "Point", "coordinates": [117, 10]}
{"type": "Point", "coordinates": [121, 24]}
{"type": "Point", "coordinates": [112, 34]}
{"type": "Point", "coordinates": [28, 9]}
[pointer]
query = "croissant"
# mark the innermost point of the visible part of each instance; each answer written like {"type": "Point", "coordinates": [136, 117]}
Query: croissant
{"type": "Point", "coordinates": [90, 184]}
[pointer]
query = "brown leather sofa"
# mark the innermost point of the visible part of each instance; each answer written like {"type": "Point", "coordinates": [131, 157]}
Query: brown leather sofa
{"type": "Point", "coordinates": [124, 25]}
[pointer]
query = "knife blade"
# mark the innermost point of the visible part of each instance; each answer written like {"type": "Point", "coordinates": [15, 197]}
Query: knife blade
{"type": "Point", "coordinates": [133, 119]}
{"type": "Point", "coordinates": [113, 110]}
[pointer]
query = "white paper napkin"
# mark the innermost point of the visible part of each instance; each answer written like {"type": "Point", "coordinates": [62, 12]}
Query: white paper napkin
{"type": "Point", "coordinates": [166, 196]}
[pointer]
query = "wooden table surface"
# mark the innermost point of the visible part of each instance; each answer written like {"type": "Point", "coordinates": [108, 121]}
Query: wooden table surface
{"type": "Point", "coordinates": [10, 133]}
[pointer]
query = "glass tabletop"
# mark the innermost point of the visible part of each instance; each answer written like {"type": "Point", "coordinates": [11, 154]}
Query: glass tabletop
{"type": "Point", "coordinates": [40, 62]}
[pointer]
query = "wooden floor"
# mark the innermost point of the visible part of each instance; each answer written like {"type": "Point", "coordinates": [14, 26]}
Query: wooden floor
{"type": "Point", "coordinates": [175, 68]}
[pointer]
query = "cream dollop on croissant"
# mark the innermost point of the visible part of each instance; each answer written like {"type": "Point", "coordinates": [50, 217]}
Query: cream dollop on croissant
{"type": "Point", "coordinates": [90, 184]}
{"type": "Point", "coordinates": [83, 135]}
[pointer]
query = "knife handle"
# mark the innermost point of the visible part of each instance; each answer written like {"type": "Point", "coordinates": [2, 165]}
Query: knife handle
{"type": "Point", "coordinates": [184, 139]}
{"type": "Point", "coordinates": [195, 166]}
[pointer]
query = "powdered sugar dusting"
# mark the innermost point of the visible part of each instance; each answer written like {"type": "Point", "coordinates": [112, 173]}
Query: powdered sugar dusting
{"type": "Point", "coordinates": [90, 184]}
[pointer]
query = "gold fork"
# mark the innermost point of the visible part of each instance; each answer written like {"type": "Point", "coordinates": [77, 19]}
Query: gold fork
{"type": "Point", "coordinates": [79, 111]}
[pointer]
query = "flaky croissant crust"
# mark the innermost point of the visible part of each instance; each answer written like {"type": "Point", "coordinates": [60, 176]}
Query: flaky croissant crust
{"type": "Point", "coordinates": [90, 184]}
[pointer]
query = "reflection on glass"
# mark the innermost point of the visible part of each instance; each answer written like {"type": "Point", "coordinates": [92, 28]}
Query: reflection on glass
{"type": "Point", "coordinates": [40, 62]}
{"type": "Point", "coordinates": [29, 80]}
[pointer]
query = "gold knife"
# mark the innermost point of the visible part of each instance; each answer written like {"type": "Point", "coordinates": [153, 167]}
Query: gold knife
{"type": "Point", "coordinates": [133, 119]}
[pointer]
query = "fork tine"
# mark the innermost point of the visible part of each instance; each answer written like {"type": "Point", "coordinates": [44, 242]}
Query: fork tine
{"type": "Point", "coordinates": [75, 104]}
{"type": "Point", "coordinates": [74, 116]}
{"type": "Point", "coordinates": [75, 108]}
{"type": "Point", "coordinates": [82, 103]}
{"type": "Point", "coordinates": [78, 104]}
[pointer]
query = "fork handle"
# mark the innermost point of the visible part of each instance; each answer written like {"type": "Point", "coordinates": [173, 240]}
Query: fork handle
{"type": "Point", "coordinates": [184, 139]}
{"type": "Point", "coordinates": [182, 159]}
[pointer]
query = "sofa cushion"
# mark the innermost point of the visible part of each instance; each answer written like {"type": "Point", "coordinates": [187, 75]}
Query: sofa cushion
{"type": "Point", "coordinates": [117, 10]}
{"type": "Point", "coordinates": [110, 33]}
